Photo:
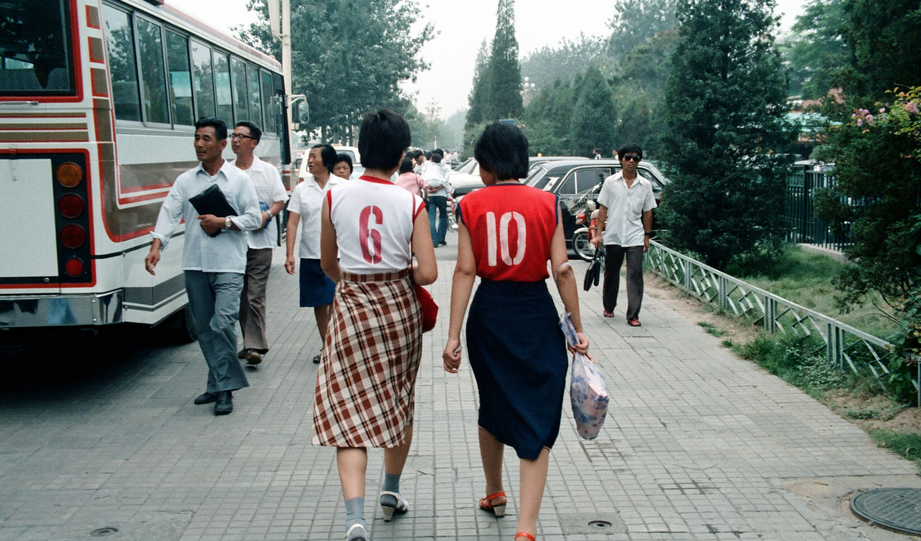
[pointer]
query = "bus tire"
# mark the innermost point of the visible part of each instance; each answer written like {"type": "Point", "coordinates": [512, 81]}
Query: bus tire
{"type": "Point", "coordinates": [182, 329]}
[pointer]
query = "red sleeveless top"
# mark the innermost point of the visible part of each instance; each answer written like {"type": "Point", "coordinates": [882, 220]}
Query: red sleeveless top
{"type": "Point", "coordinates": [511, 226]}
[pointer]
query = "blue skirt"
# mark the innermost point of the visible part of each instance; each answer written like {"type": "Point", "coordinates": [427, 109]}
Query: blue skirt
{"type": "Point", "coordinates": [316, 288]}
{"type": "Point", "coordinates": [518, 356]}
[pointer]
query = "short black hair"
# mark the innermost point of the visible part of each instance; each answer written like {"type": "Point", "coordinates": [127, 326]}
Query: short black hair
{"type": "Point", "coordinates": [502, 149]}
{"type": "Point", "coordinates": [254, 130]}
{"type": "Point", "coordinates": [406, 166]}
{"type": "Point", "coordinates": [427, 154]}
{"type": "Point", "coordinates": [436, 157]}
{"type": "Point", "coordinates": [343, 157]}
{"type": "Point", "coordinates": [632, 147]}
{"type": "Point", "coordinates": [327, 154]}
{"type": "Point", "coordinates": [383, 137]}
{"type": "Point", "coordinates": [220, 127]}
{"type": "Point", "coordinates": [418, 152]}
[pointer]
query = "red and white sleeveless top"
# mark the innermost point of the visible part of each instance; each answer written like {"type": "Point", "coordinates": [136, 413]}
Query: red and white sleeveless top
{"type": "Point", "coordinates": [511, 226]}
{"type": "Point", "coordinates": [374, 224]}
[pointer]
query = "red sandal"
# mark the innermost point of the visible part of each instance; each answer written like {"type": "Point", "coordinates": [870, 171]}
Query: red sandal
{"type": "Point", "coordinates": [497, 509]}
{"type": "Point", "coordinates": [526, 535]}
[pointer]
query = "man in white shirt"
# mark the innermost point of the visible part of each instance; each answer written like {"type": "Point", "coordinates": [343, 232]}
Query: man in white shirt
{"type": "Point", "coordinates": [624, 225]}
{"type": "Point", "coordinates": [305, 209]}
{"type": "Point", "coordinates": [261, 243]}
{"type": "Point", "coordinates": [439, 190]}
{"type": "Point", "coordinates": [213, 265]}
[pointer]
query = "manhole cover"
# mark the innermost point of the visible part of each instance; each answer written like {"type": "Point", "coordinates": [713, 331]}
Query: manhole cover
{"type": "Point", "coordinates": [599, 524]}
{"type": "Point", "coordinates": [104, 532]}
{"type": "Point", "coordinates": [896, 508]}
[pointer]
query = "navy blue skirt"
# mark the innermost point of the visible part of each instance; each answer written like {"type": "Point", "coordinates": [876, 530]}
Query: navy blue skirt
{"type": "Point", "coordinates": [518, 356]}
{"type": "Point", "coordinates": [316, 288]}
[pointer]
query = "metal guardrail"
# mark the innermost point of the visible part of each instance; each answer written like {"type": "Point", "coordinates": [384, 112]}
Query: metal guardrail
{"type": "Point", "coordinates": [844, 346]}
{"type": "Point", "coordinates": [805, 226]}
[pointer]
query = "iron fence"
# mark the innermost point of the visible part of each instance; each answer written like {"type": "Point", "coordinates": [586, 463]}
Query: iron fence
{"type": "Point", "coordinates": [805, 227]}
{"type": "Point", "coordinates": [843, 345]}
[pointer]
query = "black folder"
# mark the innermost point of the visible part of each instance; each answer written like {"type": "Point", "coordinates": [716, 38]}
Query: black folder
{"type": "Point", "coordinates": [212, 201]}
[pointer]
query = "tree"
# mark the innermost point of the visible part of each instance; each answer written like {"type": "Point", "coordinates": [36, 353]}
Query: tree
{"type": "Point", "coordinates": [548, 119]}
{"type": "Point", "coordinates": [727, 139]}
{"type": "Point", "coordinates": [496, 92]}
{"type": "Point", "coordinates": [347, 59]}
{"type": "Point", "coordinates": [816, 49]}
{"type": "Point", "coordinates": [562, 62]}
{"type": "Point", "coordinates": [639, 92]}
{"type": "Point", "coordinates": [637, 22]}
{"type": "Point", "coordinates": [593, 117]}
{"type": "Point", "coordinates": [504, 82]}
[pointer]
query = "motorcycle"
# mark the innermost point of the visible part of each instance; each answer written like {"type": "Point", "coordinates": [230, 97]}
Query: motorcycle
{"type": "Point", "coordinates": [582, 237]}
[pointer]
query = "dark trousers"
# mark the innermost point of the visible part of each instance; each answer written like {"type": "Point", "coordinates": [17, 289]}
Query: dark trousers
{"type": "Point", "coordinates": [252, 303]}
{"type": "Point", "coordinates": [614, 260]}
{"type": "Point", "coordinates": [439, 204]}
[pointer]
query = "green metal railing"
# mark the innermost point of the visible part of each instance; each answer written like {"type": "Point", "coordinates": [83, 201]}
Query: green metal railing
{"type": "Point", "coordinates": [844, 345]}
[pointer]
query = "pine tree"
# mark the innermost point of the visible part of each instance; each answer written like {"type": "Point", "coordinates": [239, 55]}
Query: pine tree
{"type": "Point", "coordinates": [728, 136]}
{"type": "Point", "coordinates": [593, 117]}
{"type": "Point", "coordinates": [504, 81]}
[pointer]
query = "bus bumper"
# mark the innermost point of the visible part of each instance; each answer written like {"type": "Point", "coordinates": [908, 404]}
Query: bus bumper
{"type": "Point", "coordinates": [62, 310]}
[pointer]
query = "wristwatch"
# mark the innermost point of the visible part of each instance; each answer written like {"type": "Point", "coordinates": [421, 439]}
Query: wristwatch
{"type": "Point", "coordinates": [227, 222]}
{"type": "Point", "coordinates": [648, 233]}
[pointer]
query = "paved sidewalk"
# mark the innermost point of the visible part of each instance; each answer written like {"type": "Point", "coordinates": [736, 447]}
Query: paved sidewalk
{"type": "Point", "coordinates": [698, 445]}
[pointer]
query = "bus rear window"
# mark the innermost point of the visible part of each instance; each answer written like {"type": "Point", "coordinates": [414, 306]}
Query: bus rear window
{"type": "Point", "coordinates": [35, 54]}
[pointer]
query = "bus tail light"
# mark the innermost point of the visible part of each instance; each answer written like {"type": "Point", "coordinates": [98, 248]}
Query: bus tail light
{"type": "Point", "coordinates": [69, 174]}
{"type": "Point", "coordinates": [71, 206]}
{"type": "Point", "coordinates": [73, 236]}
{"type": "Point", "coordinates": [74, 267]}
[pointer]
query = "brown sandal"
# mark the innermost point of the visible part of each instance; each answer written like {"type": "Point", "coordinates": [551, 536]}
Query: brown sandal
{"type": "Point", "coordinates": [497, 509]}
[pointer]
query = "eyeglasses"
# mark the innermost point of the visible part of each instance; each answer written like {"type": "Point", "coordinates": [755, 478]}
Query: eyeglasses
{"type": "Point", "coordinates": [241, 136]}
{"type": "Point", "coordinates": [634, 157]}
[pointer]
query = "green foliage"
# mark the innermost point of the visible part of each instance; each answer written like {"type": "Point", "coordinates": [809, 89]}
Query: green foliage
{"type": "Point", "coordinates": [548, 119]}
{"type": "Point", "coordinates": [727, 132]}
{"type": "Point", "coordinates": [497, 80]}
{"type": "Point", "coordinates": [348, 61]}
{"type": "Point", "coordinates": [637, 22]}
{"type": "Point", "coordinates": [712, 329]}
{"type": "Point", "coordinates": [903, 444]}
{"type": "Point", "coordinates": [878, 199]}
{"type": "Point", "coordinates": [793, 360]}
{"type": "Point", "coordinates": [816, 50]}
{"type": "Point", "coordinates": [563, 62]}
{"type": "Point", "coordinates": [593, 117]}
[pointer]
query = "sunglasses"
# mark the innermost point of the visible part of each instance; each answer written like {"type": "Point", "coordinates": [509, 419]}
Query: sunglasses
{"type": "Point", "coordinates": [634, 157]}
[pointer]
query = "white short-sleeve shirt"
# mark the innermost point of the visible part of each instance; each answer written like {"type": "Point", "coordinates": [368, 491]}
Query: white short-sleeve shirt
{"type": "Point", "coordinates": [374, 220]}
{"type": "Point", "coordinates": [624, 226]}
{"type": "Point", "coordinates": [307, 200]}
{"type": "Point", "coordinates": [269, 190]}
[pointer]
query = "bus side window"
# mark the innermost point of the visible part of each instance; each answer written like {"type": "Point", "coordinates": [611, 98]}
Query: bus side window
{"type": "Point", "coordinates": [122, 64]}
{"type": "Point", "coordinates": [222, 88]}
{"type": "Point", "coordinates": [180, 78]}
{"type": "Point", "coordinates": [268, 104]}
{"type": "Point", "coordinates": [150, 44]}
{"type": "Point", "coordinates": [238, 77]}
{"type": "Point", "coordinates": [204, 80]}
{"type": "Point", "coordinates": [255, 102]}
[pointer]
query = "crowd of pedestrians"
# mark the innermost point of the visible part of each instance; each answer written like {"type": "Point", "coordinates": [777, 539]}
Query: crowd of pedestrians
{"type": "Point", "coordinates": [364, 247]}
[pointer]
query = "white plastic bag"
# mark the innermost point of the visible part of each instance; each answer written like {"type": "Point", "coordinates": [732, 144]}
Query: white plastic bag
{"type": "Point", "coordinates": [587, 392]}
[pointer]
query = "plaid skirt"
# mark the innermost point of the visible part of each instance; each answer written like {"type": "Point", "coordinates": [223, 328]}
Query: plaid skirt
{"type": "Point", "coordinates": [366, 383]}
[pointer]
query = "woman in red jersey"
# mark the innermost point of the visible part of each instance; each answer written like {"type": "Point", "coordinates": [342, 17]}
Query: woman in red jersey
{"type": "Point", "coordinates": [507, 233]}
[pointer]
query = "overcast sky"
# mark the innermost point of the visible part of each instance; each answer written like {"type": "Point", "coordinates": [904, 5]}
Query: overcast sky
{"type": "Point", "coordinates": [452, 53]}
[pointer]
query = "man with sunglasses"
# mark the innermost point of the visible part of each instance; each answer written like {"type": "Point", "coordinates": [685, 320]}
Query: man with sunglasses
{"type": "Point", "coordinates": [624, 226]}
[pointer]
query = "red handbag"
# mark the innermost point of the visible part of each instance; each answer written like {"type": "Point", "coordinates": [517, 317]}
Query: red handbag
{"type": "Point", "coordinates": [429, 308]}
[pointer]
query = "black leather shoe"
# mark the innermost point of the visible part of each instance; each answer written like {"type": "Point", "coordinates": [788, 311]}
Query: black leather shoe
{"type": "Point", "coordinates": [205, 398]}
{"type": "Point", "coordinates": [224, 403]}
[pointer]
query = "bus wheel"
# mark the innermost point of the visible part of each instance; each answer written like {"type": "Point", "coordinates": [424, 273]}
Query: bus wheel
{"type": "Point", "coordinates": [181, 330]}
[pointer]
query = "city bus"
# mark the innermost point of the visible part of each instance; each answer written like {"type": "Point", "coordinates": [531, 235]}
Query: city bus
{"type": "Point", "coordinates": [97, 104]}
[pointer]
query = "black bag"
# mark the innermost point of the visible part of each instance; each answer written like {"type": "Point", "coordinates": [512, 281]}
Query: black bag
{"type": "Point", "coordinates": [212, 201]}
{"type": "Point", "coordinates": [593, 274]}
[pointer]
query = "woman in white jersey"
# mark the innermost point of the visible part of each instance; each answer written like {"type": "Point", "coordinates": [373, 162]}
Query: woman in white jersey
{"type": "Point", "coordinates": [366, 383]}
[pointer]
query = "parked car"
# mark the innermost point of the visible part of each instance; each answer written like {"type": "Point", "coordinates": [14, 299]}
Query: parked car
{"type": "Point", "coordinates": [571, 179]}
{"type": "Point", "coordinates": [357, 168]}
